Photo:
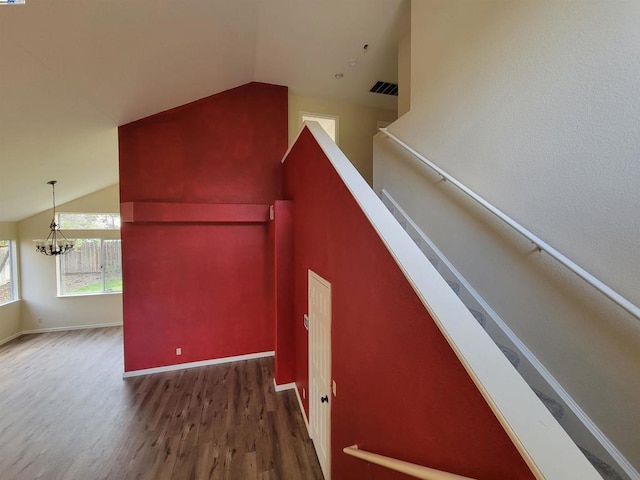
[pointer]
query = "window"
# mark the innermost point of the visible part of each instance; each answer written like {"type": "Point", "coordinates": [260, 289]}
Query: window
{"type": "Point", "coordinates": [328, 122]}
{"type": "Point", "coordinates": [7, 290]}
{"type": "Point", "coordinates": [94, 264]}
{"type": "Point", "coordinates": [89, 221]}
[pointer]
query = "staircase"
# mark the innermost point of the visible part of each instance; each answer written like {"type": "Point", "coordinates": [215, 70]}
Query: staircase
{"type": "Point", "coordinates": [609, 463]}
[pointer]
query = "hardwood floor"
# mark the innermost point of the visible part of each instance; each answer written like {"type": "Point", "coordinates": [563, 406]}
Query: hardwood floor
{"type": "Point", "coordinates": [66, 413]}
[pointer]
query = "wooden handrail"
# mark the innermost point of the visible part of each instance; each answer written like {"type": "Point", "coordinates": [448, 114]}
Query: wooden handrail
{"type": "Point", "coordinates": [411, 469]}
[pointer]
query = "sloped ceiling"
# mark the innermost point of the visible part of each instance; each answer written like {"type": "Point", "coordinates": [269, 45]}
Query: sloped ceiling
{"type": "Point", "coordinates": [72, 71]}
{"type": "Point", "coordinates": [303, 44]}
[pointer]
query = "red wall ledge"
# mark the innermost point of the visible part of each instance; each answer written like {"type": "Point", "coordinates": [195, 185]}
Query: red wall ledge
{"type": "Point", "coordinates": [163, 212]}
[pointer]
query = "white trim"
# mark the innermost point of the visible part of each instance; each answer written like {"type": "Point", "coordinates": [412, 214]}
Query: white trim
{"type": "Point", "coordinates": [531, 358]}
{"type": "Point", "coordinates": [15, 269]}
{"type": "Point", "coordinates": [72, 327]}
{"type": "Point", "coordinates": [12, 337]}
{"type": "Point", "coordinates": [546, 448]}
{"type": "Point", "coordinates": [92, 294]}
{"type": "Point", "coordinates": [14, 278]}
{"type": "Point", "coordinates": [67, 212]}
{"type": "Point", "coordinates": [203, 363]}
{"type": "Point", "coordinates": [284, 386]}
{"type": "Point", "coordinates": [304, 415]}
{"type": "Point", "coordinates": [294, 386]}
{"type": "Point", "coordinates": [59, 329]}
{"type": "Point", "coordinates": [326, 116]}
{"type": "Point", "coordinates": [10, 302]}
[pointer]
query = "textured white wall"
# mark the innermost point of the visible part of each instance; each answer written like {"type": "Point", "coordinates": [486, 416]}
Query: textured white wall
{"type": "Point", "coordinates": [404, 74]}
{"type": "Point", "coordinates": [535, 105]}
{"type": "Point", "coordinates": [10, 312]}
{"type": "Point", "coordinates": [41, 308]}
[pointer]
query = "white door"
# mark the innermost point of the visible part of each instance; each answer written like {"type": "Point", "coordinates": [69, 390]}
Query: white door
{"type": "Point", "coordinates": [320, 369]}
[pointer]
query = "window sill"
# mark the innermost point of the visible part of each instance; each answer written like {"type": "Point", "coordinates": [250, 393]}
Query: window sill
{"type": "Point", "coordinates": [10, 302]}
{"type": "Point", "coordinates": [93, 294]}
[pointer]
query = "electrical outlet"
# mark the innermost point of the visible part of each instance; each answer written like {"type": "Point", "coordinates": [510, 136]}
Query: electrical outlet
{"type": "Point", "coordinates": [178, 351]}
{"type": "Point", "coordinates": [334, 388]}
{"type": "Point", "coordinates": [40, 321]}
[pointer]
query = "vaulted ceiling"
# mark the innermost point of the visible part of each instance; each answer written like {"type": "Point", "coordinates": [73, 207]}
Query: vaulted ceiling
{"type": "Point", "coordinates": [71, 71]}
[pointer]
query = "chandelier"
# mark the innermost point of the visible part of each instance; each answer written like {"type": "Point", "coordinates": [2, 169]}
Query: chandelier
{"type": "Point", "coordinates": [56, 243]}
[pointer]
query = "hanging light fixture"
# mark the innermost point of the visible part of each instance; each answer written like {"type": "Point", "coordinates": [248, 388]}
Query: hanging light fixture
{"type": "Point", "coordinates": [56, 243]}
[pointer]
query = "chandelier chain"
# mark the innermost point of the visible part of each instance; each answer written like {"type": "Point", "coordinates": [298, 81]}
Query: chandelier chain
{"type": "Point", "coordinates": [56, 243]}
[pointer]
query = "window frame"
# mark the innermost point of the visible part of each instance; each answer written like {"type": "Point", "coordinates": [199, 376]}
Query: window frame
{"type": "Point", "coordinates": [95, 234]}
{"type": "Point", "coordinates": [60, 221]}
{"type": "Point", "coordinates": [326, 116]}
{"type": "Point", "coordinates": [13, 271]}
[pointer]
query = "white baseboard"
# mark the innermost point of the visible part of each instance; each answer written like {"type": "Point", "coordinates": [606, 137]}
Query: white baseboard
{"type": "Point", "coordinates": [293, 386]}
{"type": "Point", "coordinates": [203, 363]}
{"type": "Point", "coordinates": [304, 414]}
{"type": "Point", "coordinates": [12, 337]}
{"type": "Point", "coordinates": [284, 386]}
{"type": "Point", "coordinates": [59, 329]}
{"type": "Point", "coordinates": [72, 327]}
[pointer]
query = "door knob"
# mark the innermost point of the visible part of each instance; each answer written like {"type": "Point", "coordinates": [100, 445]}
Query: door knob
{"type": "Point", "coordinates": [324, 399]}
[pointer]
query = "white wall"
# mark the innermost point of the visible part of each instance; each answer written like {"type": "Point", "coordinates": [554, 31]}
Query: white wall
{"type": "Point", "coordinates": [535, 105]}
{"type": "Point", "coordinates": [9, 312]}
{"type": "Point", "coordinates": [404, 74]}
{"type": "Point", "coordinates": [357, 125]}
{"type": "Point", "coordinates": [41, 308]}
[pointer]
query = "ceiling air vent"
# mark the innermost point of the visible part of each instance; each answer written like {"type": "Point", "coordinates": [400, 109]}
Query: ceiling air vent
{"type": "Point", "coordinates": [385, 88]}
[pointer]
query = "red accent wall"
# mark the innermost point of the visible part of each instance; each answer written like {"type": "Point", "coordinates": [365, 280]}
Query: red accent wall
{"type": "Point", "coordinates": [221, 149]}
{"type": "Point", "coordinates": [194, 212]}
{"type": "Point", "coordinates": [282, 241]}
{"type": "Point", "coordinates": [201, 282]}
{"type": "Point", "coordinates": [401, 391]}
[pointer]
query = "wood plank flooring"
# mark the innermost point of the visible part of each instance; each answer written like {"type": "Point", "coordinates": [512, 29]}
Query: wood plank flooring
{"type": "Point", "coordinates": [66, 413]}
